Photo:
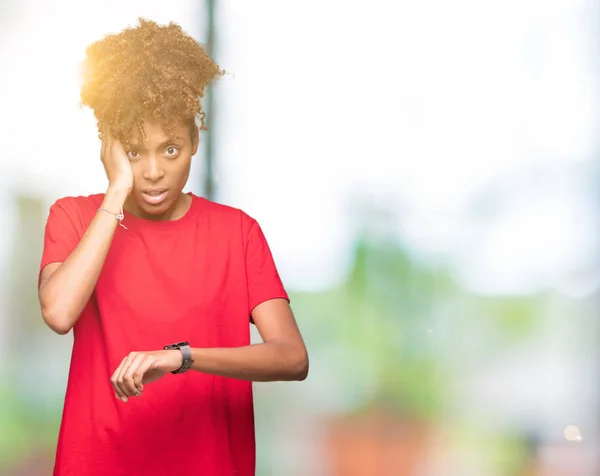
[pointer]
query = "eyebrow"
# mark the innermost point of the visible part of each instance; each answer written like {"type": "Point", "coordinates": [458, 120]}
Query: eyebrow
{"type": "Point", "coordinates": [140, 145]}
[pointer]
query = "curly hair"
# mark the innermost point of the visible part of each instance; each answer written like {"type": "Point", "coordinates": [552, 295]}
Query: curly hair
{"type": "Point", "coordinates": [147, 72]}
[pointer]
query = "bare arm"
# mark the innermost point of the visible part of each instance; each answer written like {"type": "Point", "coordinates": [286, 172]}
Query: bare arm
{"type": "Point", "coordinates": [281, 356]}
{"type": "Point", "coordinates": [65, 288]}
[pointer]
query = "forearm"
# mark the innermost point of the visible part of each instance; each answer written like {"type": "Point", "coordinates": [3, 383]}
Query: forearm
{"type": "Point", "coordinates": [64, 294]}
{"type": "Point", "coordinates": [266, 362]}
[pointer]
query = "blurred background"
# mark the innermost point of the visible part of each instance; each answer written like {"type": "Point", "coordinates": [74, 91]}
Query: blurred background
{"type": "Point", "coordinates": [426, 174]}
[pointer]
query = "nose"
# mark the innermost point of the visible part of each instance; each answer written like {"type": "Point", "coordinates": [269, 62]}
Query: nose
{"type": "Point", "coordinates": [153, 171]}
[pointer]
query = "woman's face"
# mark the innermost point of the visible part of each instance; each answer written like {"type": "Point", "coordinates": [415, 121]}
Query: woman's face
{"type": "Point", "coordinates": [161, 168]}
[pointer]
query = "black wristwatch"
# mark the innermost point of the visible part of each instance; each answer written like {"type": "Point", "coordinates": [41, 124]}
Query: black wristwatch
{"type": "Point", "coordinates": [186, 354]}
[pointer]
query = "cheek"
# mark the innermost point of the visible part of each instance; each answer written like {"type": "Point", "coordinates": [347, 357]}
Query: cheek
{"type": "Point", "coordinates": [182, 170]}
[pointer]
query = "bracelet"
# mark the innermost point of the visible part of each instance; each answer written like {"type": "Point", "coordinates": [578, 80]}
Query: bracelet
{"type": "Point", "coordinates": [118, 216]}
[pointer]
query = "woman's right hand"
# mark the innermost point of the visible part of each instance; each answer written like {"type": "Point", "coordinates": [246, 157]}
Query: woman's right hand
{"type": "Point", "coordinates": [116, 164]}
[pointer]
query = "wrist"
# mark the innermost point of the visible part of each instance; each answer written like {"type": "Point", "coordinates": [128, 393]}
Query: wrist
{"type": "Point", "coordinates": [183, 359]}
{"type": "Point", "coordinates": [116, 195]}
{"type": "Point", "coordinates": [174, 359]}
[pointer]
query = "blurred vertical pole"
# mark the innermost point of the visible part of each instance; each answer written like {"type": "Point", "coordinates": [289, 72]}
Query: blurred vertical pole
{"type": "Point", "coordinates": [208, 136]}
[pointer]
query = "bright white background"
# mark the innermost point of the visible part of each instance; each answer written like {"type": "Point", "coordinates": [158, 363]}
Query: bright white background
{"type": "Point", "coordinates": [424, 105]}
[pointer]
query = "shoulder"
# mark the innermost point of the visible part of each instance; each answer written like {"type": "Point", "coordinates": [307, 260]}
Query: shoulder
{"type": "Point", "coordinates": [78, 209]}
{"type": "Point", "coordinates": [229, 216]}
{"type": "Point", "coordinates": [71, 202]}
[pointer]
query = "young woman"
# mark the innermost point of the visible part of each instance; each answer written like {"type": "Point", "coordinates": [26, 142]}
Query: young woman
{"type": "Point", "coordinates": [159, 286]}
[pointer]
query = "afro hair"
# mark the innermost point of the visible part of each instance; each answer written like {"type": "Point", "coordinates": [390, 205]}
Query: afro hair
{"type": "Point", "coordinates": [147, 72]}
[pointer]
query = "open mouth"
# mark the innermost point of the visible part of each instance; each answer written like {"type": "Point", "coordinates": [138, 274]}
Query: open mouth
{"type": "Point", "coordinates": [154, 197]}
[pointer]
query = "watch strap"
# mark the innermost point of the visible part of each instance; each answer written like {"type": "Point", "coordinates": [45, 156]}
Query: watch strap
{"type": "Point", "coordinates": [186, 356]}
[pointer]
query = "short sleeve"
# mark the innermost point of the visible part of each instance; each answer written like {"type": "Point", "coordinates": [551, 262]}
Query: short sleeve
{"type": "Point", "coordinates": [262, 276]}
{"type": "Point", "coordinates": [61, 235]}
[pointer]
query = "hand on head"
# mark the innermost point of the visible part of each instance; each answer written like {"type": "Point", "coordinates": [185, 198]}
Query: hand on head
{"type": "Point", "coordinates": [116, 163]}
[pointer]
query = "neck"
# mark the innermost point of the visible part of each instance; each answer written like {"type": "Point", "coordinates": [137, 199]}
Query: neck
{"type": "Point", "coordinates": [176, 211]}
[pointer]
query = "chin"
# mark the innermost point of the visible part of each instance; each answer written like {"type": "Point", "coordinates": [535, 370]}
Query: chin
{"type": "Point", "coordinates": [153, 210]}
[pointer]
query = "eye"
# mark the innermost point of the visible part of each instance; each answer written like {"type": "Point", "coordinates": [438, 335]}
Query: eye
{"type": "Point", "coordinates": [133, 154]}
{"type": "Point", "coordinates": [172, 151]}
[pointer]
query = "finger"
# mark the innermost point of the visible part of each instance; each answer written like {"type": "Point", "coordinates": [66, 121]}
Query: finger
{"type": "Point", "coordinates": [106, 133]}
{"type": "Point", "coordinates": [115, 383]}
{"type": "Point", "coordinates": [121, 376]}
{"type": "Point", "coordinates": [107, 151]}
{"type": "Point", "coordinates": [145, 366]}
{"type": "Point", "coordinates": [132, 375]}
{"type": "Point", "coordinates": [117, 148]}
{"type": "Point", "coordinates": [125, 378]}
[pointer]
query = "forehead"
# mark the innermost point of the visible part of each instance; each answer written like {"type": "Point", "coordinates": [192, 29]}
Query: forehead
{"type": "Point", "coordinates": [156, 133]}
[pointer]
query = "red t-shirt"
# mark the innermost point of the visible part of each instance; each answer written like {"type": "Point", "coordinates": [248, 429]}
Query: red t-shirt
{"type": "Point", "coordinates": [195, 279]}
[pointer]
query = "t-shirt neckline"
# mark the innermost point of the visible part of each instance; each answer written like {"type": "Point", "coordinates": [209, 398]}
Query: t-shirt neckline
{"type": "Point", "coordinates": [133, 222]}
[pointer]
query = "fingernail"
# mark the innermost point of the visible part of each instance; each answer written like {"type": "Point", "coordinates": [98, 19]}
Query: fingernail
{"type": "Point", "coordinates": [124, 399]}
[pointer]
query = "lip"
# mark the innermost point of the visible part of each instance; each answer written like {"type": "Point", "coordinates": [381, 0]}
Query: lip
{"type": "Point", "coordinates": [154, 196]}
